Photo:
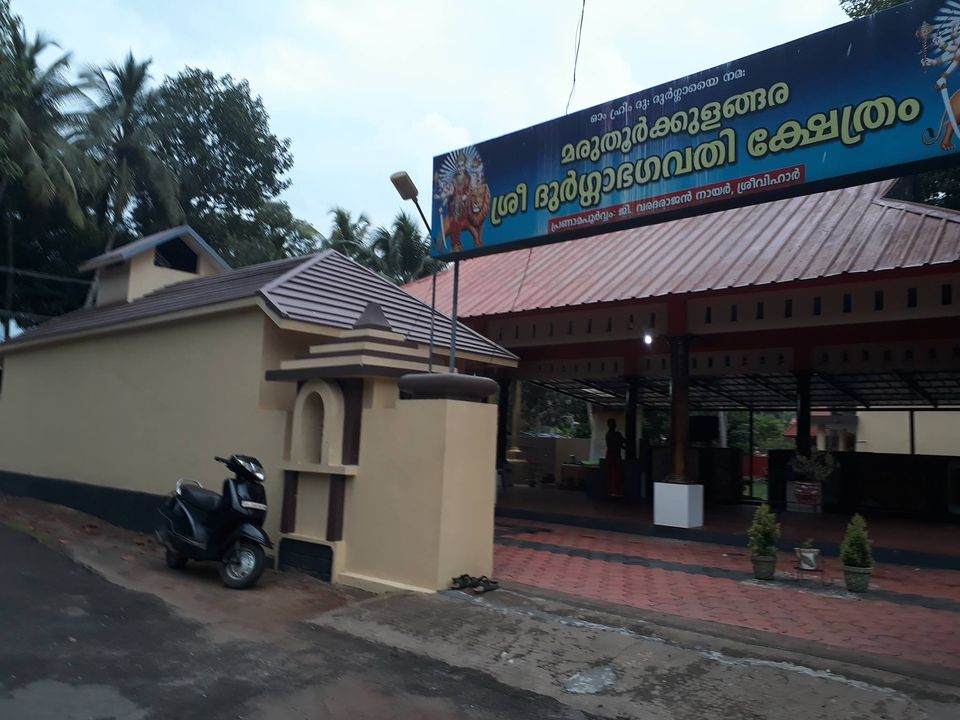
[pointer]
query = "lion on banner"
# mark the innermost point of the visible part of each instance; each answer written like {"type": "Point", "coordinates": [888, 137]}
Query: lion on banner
{"type": "Point", "coordinates": [464, 198]}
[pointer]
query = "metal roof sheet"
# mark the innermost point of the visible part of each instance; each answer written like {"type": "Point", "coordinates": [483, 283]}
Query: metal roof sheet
{"type": "Point", "coordinates": [773, 391]}
{"type": "Point", "coordinates": [183, 232]}
{"type": "Point", "coordinates": [853, 230]}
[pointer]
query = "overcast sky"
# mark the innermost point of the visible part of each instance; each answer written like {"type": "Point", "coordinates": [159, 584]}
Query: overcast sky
{"type": "Point", "coordinates": [364, 87]}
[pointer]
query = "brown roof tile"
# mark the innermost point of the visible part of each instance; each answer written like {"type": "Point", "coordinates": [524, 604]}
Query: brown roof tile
{"type": "Point", "coordinates": [325, 289]}
{"type": "Point", "coordinates": [315, 293]}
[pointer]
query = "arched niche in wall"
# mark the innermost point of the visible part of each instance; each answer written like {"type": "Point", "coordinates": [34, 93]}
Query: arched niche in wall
{"type": "Point", "coordinates": [317, 437]}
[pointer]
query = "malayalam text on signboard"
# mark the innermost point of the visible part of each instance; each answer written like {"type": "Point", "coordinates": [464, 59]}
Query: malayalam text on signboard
{"type": "Point", "coordinates": [864, 99]}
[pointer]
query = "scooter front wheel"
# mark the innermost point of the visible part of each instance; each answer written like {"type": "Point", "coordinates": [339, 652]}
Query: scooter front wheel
{"type": "Point", "coordinates": [242, 566]}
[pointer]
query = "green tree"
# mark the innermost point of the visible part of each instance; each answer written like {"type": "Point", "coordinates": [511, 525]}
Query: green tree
{"type": "Point", "coordinates": [215, 136]}
{"type": "Point", "coordinates": [36, 173]}
{"type": "Point", "coordinates": [402, 253]}
{"type": "Point", "coordinates": [351, 237]}
{"type": "Point", "coordinates": [272, 233]}
{"type": "Point", "coordinates": [7, 86]}
{"type": "Point", "coordinates": [935, 187]}
{"type": "Point", "coordinates": [768, 429]}
{"type": "Point", "coordinates": [116, 135]}
{"type": "Point", "coordinates": [862, 8]}
{"type": "Point", "coordinates": [544, 410]}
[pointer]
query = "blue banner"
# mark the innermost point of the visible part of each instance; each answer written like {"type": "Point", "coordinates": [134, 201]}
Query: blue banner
{"type": "Point", "coordinates": [873, 98]}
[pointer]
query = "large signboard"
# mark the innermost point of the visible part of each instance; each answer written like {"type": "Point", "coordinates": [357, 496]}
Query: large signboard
{"type": "Point", "coordinates": [872, 98]}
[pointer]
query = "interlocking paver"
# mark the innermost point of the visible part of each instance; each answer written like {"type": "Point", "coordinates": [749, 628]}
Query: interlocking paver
{"type": "Point", "coordinates": [915, 614]}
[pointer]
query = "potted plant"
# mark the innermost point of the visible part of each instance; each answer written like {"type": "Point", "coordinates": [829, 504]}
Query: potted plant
{"type": "Point", "coordinates": [807, 555]}
{"type": "Point", "coordinates": [855, 555]}
{"type": "Point", "coordinates": [763, 534]}
{"type": "Point", "coordinates": [810, 473]}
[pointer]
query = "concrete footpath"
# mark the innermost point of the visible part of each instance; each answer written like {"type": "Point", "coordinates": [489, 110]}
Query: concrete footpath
{"type": "Point", "coordinates": [614, 663]}
{"type": "Point", "coordinates": [95, 626]}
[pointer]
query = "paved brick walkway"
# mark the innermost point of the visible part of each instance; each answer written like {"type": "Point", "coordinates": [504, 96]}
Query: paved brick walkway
{"type": "Point", "coordinates": [910, 613]}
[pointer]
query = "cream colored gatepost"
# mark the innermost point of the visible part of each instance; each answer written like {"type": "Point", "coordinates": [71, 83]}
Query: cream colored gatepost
{"type": "Point", "coordinates": [421, 512]}
{"type": "Point", "coordinates": [394, 473]}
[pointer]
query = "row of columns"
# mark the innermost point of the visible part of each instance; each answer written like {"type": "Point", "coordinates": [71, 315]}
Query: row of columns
{"type": "Point", "coordinates": [679, 414]}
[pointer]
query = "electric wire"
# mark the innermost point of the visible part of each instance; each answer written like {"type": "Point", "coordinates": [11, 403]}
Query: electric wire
{"type": "Point", "coordinates": [576, 54]}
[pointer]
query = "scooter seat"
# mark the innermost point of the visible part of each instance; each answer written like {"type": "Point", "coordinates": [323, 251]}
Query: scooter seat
{"type": "Point", "coordinates": [205, 500]}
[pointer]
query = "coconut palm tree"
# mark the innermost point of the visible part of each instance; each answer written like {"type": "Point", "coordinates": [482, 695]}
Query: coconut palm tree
{"type": "Point", "coordinates": [350, 237]}
{"type": "Point", "coordinates": [33, 124]}
{"type": "Point", "coordinates": [115, 134]}
{"type": "Point", "coordinates": [403, 253]}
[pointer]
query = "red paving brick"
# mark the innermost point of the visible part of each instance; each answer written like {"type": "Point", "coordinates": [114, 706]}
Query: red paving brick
{"type": "Point", "coordinates": [865, 623]}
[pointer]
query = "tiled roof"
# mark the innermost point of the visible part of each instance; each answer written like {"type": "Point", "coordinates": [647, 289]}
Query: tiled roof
{"type": "Point", "coordinates": [315, 292]}
{"type": "Point", "coordinates": [853, 230]}
{"type": "Point", "coordinates": [324, 289]}
{"type": "Point", "coordinates": [211, 290]}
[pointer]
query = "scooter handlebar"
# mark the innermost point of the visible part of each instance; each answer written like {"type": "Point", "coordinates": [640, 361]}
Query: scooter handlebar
{"type": "Point", "coordinates": [220, 459]}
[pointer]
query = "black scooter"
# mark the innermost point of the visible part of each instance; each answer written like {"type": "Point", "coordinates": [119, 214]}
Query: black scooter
{"type": "Point", "coordinates": [198, 524]}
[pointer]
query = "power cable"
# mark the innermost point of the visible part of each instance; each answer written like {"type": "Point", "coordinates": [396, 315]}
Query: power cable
{"type": "Point", "coordinates": [576, 55]}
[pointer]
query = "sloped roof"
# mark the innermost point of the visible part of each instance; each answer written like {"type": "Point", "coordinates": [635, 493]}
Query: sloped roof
{"type": "Point", "coordinates": [853, 230]}
{"type": "Point", "coordinates": [211, 290]}
{"type": "Point", "coordinates": [324, 289]}
{"type": "Point", "coordinates": [183, 232]}
{"type": "Point", "coordinates": [333, 290]}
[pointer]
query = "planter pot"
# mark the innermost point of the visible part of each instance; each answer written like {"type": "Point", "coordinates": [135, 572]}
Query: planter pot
{"type": "Point", "coordinates": [807, 493]}
{"type": "Point", "coordinates": [808, 558]}
{"type": "Point", "coordinates": [764, 566]}
{"type": "Point", "coordinates": [857, 579]}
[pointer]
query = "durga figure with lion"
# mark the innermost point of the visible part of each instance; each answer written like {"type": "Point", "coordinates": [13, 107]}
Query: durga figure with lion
{"type": "Point", "coordinates": [464, 196]}
{"type": "Point", "coordinates": [943, 38]}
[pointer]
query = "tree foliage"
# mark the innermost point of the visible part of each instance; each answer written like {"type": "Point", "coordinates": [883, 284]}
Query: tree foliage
{"type": "Point", "coordinates": [768, 429]}
{"type": "Point", "coordinates": [34, 172]}
{"type": "Point", "coordinates": [7, 88]}
{"type": "Point", "coordinates": [862, 8]}
{"type": "Point", "coordinates": [763, 533]}
{"type": "Point", "coordinates": [116, 135]}
{"type": "Point", "coordinates": [401, 253]}
{"type": "Point", "coordinates": [547, 411]}
{"type": "Point", "coordinates": [855, 550]}
{"type": "Point", "coordinates": [89, 163]}
{"type": "Point", "coordinates": [214, 135]}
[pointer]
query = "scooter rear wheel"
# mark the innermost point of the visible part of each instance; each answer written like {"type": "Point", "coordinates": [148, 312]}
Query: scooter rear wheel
{"type": "Point", "coordinates": [242, 566]}
{"type": "Point", "coordinates": [175, 560]}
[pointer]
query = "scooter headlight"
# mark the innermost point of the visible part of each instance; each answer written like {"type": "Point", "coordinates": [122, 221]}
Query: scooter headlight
{"type": "Point", "coordinates": [254, 469]}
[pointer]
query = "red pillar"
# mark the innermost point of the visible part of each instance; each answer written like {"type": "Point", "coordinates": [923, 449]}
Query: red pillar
{"type": "Point", "coordinates": [803, 411]}
{"type": "Point", "coordinates": [679, 406]}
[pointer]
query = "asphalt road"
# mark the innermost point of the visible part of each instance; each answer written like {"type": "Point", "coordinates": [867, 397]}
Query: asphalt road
{"type": "Point", "coordinates": [132, 640]}
{"type": "Point", "coordinates": [75, 647]}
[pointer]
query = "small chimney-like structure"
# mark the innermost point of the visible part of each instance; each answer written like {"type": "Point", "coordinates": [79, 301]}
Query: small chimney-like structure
{"type": "Point", "coordinates": [152, 262]}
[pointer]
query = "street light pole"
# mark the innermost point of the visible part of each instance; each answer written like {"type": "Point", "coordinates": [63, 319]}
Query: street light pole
{"type": "Point", "coordinates": [408, 191]}
{"type": "Point", "coordinates": [453, 330]}
{"type": "Point", "coordinates": [433, 282]}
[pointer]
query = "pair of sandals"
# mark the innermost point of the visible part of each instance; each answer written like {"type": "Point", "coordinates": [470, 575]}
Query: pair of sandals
{"type": "Point", "coordinates": [479, 585]}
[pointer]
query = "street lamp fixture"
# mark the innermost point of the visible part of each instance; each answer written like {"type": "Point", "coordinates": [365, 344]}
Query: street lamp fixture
{"type": "Point", "coordinates": [404, 185]}
{"type": "Point", "coordinates": [407, 190]}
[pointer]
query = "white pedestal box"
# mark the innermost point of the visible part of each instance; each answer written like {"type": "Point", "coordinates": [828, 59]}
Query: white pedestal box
{"type": "Point", "coordinates": [677, 505]}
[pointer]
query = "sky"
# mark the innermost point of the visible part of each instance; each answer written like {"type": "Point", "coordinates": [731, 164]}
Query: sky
{"type": "Point", "coordinates": [364, 88]}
